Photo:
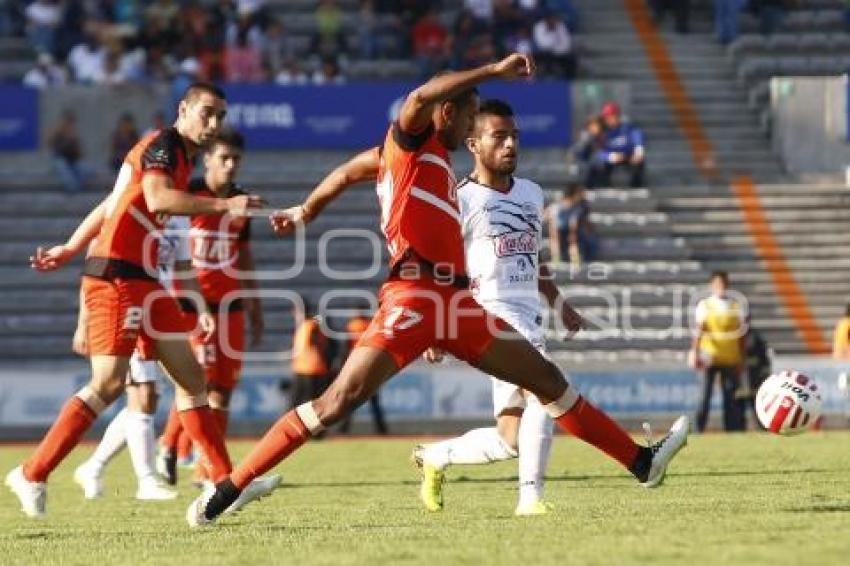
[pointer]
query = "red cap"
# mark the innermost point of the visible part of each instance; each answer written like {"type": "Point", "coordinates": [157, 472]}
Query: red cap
{"type": "Point", "coordinates": [610, 109]}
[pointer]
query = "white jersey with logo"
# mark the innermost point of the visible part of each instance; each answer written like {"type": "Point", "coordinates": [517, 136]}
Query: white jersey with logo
{"type": "Point", "coordinates": [173, 247]}
{"type": "Point", "coordinates": [502, 233]}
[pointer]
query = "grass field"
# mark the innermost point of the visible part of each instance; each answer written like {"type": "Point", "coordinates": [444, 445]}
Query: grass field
{"type": "Point", "coordinates": [741, 499]}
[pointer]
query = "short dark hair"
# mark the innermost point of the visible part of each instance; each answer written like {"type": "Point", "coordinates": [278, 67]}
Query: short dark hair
{"type": "Point", "coordinates": [230, 138]}
{"type": "Point", "coordinates": [196, 89]}
{"type": "Point", "coordinates": [722, 275]}
{"type": "Point", "coordinates": [496, 107]}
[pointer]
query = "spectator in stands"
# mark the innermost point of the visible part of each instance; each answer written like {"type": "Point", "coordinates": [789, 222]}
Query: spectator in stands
{"type": "Point", "coordinates": [588, 151]}
{"type": "Point", "coordinates": [46, 73]}
{"type": "Point", "coordinates": [86, 59]}
{"type": "Point", "coordinates": [328, 73]}
{"type": "Point", "coordinates": [554, 50]}
{"type": "Point", "coordinates": [566, 10]}
{"type": "Point", "coordinates": [771, 14]}
{"type": "Point", "coordinates": [521, 42]}
{"type": "Point", "coordinates": [278, 45]}
{"type": "Point", "coordinates": [430, 43]}
{"type": "Point", "coordinates": [125, 136]}
{"type": "Point", "coordinates": [187, 73]}
{"type": "Point", "coordinates": [719, 347]}
{"type": "Point", "coordinates": [43, 18]}
{"type": "Point", "coordinates": [114, 69]}
{"type": "Point", "coordinates": [726, 14]}
{"type": "Point", "coordinates": [66, 149]}
{"type": "Point", "coordinates": [292, 74]}
{"type": "Point", "coordinates": [355, 328]}
{"type": "Point", "coordinates": [313, 355]}
{"type": "Point", "coordinates": [570, 231]}
{"type": "Point", "coordinates": [464, 33]}
{"type": "Point", "coordinates": [759, 366]}
{"type": "Point", "coordinates": [507, 20]}
{"type": "Point", "coordinates": [841, 337]}
{"type": "Point", "coordinates": [329, 40]}
{"type": "Point", "coordinates": [623, 148]}
{"type": "Point", "coordinates": [367, 30]}
{"type": "Point", "coordinates": [480, 9]}
{"type": "Point", "coordinates": [242, 60]}
{"type": "Point", "coordinates": [681, 11]}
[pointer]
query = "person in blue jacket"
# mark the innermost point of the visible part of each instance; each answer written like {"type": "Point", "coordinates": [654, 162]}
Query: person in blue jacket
{"type": "Point", "coordinates": [622, 147]}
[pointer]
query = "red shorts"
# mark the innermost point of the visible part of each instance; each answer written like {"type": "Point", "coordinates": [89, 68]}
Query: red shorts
{"type": "Point", "coordinates": [416, 315]}
{"type": "Point", "coordinates": [221, 355]}
{"type": "Point", "coordinates": [121, 311]}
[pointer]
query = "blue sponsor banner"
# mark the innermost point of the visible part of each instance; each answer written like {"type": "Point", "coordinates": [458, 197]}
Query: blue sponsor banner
{"type": "Point", "coordinates": [18, 118]}
{"type": "Point", "coordinates": [356, 115]}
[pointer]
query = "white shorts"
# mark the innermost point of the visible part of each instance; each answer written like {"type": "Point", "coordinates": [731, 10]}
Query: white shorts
{"type": "Point", "coordinates": [507, 395]}
{"type": "Point", "coordinates": [142, 371]}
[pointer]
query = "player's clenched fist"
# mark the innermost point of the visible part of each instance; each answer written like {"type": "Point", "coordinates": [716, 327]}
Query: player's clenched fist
{"type": "Point", "coordinates": [242, 205]}
{"type": "Point", "coordinates": [515, 66]}
{"type": "Point", "coordinates": [48, 260]}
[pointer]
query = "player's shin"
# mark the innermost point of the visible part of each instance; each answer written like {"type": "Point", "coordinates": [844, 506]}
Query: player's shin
{"type": "Point", "coordinates": [199, 422]}
{"type": "Point", "coordinates": [535, 445]}
{"type": "Point", "coordinates": [74, 420]}
{"type": "Point", "coordinates": [577, 416]}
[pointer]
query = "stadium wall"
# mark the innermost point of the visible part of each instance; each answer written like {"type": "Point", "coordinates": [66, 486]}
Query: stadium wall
{"type": "Point", "coordinates": [275, 117]}
{"type": "Point", "coordinates": [423, 399]}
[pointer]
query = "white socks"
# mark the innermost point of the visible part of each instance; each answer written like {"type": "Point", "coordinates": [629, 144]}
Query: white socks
{"type": "Point", "coordinates": [110, 445]}
{"type": "Point", "coordinates": [137, 430]}
{"type": "Point", "coordinates": [141, 445]}
{"type": "Point", "coordinates": [478, 446]}
{"type": "Point", "coordinates": [535, 445]}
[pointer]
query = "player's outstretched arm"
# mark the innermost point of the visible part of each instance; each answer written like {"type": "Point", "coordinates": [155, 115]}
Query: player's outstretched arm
{"type": "Point", "coordinates": [185, 273]}
{"type": "Point", "coordinates": [362, 167]}
{"type": "Point", "coordinates": [162, 198]}
{"type": "Point", "coordinates": [415, 114]}
{"type": "Point", "coordinates": [570, 318]}
{"type": "Point", "coordinates": [57, 256]}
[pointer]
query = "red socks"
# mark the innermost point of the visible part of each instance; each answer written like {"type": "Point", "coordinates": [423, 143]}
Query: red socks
{"type": "Point", "coordinates": [588, 423]}
{"type": "Point", "coordinates": [72, 423]}
{"type": "Point", "coordinates": [282, 439]}
{"type": "Point", "coordinates": [204, 431]}
{"type": "Point", "coordinates": [173, 428]}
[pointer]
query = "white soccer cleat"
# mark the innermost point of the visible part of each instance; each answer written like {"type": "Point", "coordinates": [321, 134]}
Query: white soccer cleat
{"type": "Point", "coordinates": [257, 489]}
{"type": "Point", "coordinates": [152, 491]}
{"type": "Point", "coordinates": [665, 449]}
{"type": "Point", "coordinates": [32, 495]}
{"type": "Point", "coordinates": [195, 513]}
{"type": "Point", "coordinates": [90, 481]}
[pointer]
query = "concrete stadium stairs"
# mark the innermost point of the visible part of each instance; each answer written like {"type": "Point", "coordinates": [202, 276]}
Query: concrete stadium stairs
{"type": "Point", "coordinates": [643, 269]}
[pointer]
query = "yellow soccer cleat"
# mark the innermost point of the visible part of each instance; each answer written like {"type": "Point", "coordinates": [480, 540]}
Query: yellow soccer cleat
{"type": "Point", "coordinates": [538, 507]}
{"type": "Point", "coordinates": [431, 488]}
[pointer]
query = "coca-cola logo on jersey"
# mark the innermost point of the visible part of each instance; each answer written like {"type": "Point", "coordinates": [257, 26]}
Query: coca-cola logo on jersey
{"type": "Point", "coordinates": [514, 243]}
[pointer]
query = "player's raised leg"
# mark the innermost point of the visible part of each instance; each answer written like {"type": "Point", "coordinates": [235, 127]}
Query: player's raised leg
{"type": "Point", "coordinates": [363, 373]}
{"type": "Point", "coordinates": [511, 358]}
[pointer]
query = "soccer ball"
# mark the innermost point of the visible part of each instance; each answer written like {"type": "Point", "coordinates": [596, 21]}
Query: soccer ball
{"type": "Point", "coordinates": [788, 402]}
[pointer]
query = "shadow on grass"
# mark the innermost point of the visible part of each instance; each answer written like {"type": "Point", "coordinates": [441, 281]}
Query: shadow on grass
{"type": "Point", "coordinates": [828, 508]}
{"type": "Point", "coordinates": [567, 477]}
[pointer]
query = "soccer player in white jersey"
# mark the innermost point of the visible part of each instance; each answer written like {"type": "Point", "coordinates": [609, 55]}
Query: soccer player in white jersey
{"type": "Point", "coordinates": [134, 424]}
{"type": "Point", "coordinates": [501, 222]}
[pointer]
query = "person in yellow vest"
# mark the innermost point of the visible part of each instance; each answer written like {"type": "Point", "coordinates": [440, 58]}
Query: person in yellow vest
{"type": "Point", "coordinates": [312, 357]}
{"type": "Point", "coordinates": [841, 338]}
{"type": "Point", "coordinates": [719, 348]}
{"type": "Point", "coordinates": [355, 328]}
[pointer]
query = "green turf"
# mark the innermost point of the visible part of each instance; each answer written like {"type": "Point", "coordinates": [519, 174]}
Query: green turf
{"type": "Point", "coordinates": [745, 499]}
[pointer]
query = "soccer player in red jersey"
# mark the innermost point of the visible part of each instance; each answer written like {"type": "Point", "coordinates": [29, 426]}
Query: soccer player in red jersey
{"type": "Point", "coordinates": [124, 299]}
{"type": "Point", "coordinates": [426, 301]}
{"type": "Point", "coordinates": [221, 256]}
